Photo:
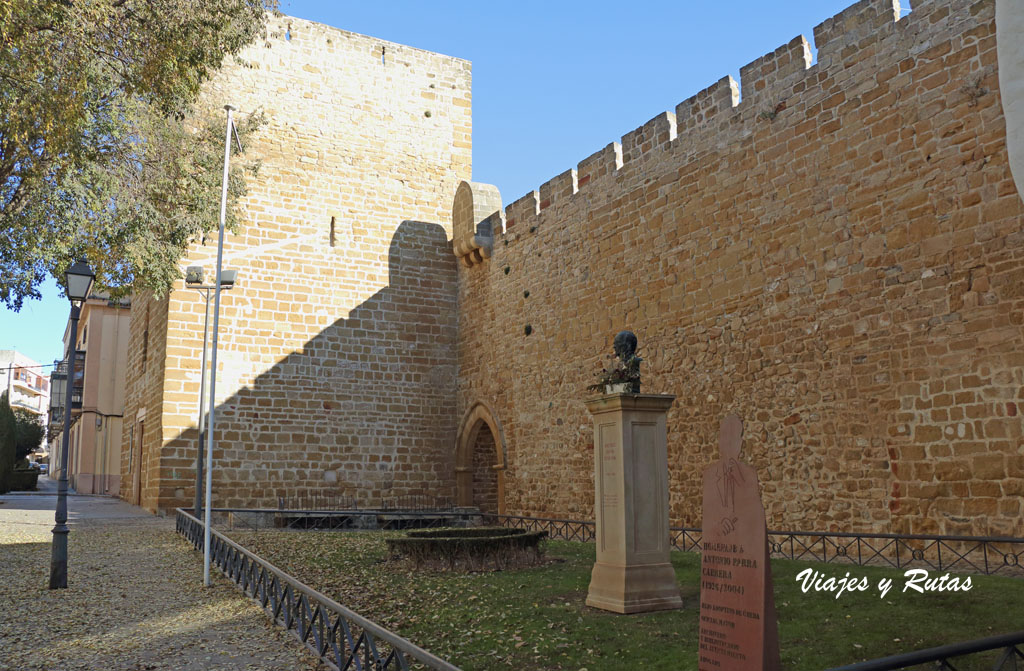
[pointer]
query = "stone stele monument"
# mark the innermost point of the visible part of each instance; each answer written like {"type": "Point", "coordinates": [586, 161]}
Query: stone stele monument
{"type": "Point", "coordinates": [738, 629]}
{"type": "Point", "coordinates": [632, 573]}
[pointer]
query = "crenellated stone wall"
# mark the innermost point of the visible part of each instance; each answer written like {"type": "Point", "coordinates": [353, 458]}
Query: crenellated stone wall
{"type": "Point", "coordinates": [834, 252]}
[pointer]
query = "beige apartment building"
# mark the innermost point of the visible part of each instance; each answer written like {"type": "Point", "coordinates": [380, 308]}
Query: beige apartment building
{"type": "Point", "coordinates": [24, 381]}
{"type": "Point", "coordinates": [97, 412]}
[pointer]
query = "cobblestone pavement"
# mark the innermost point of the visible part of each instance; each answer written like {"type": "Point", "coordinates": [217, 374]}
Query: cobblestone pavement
{"type": "Point", "coordinates": [135, 598]}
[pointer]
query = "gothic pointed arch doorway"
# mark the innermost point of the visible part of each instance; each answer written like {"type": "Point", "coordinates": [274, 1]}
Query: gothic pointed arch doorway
{"type": "Point", "coordinates": [480, 460]}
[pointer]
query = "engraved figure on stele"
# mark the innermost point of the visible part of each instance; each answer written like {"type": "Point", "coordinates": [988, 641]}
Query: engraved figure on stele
{"type": "Point", "coordinates": [738, 629]}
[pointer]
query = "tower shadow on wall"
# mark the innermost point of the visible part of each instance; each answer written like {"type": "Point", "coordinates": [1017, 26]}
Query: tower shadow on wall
{"type": "Point", "coordinates": [363, 412]}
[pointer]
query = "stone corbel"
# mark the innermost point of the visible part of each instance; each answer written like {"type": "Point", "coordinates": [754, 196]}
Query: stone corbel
{"type": "Point", "coordinates": [1010, 50]}
{"type": "Point", "coordinates": [476, 213]}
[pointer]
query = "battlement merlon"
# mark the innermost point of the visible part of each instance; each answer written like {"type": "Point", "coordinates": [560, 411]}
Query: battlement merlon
{"type": "Point", "coordinates": [842, 36]}
{"type": "Point", "coordinates": [773, 72]}
{"type": "Point", "coordinates": [602, 162]}
{"type": "Point", "coordinates": [558, 188]}
{"type": "Point", "coordinates": [522, 211]}
{"type": "Point", "coordinates": [717, 100]}
{"type": "Point", "coordinates": [657, 132]}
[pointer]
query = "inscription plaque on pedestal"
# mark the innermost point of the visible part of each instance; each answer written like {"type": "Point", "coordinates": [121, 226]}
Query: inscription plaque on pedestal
{"type": "Point", "coordinates": [738, 629]}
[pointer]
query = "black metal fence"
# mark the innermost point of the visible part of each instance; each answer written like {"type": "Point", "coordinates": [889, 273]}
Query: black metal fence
{"type": "Point", "coordinates": [384, 519]}
{"type": "Point", "coordinates": [989, 555]}
{"type": "Point", "coordinates": [1007, 654]}
{"type": "Point", "coordinates": [567, 530]}
{"type": "Point", "coordinates": [986, 555]}
{"type": "Point", "coordinates": [341, 638]}
{"type": "Point", "coordinates": [317, 500]}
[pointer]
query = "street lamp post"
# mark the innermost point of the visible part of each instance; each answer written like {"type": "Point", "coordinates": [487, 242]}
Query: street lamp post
{"type": "Point", "coordinates": [194, 280]}
{"type": "Point", "coordinates": [78, 283]}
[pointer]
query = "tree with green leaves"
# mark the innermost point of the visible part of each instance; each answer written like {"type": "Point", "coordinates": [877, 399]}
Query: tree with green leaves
{"type": "Point", "coordinates": [103, 154]}
{"type": "Point", "coordinates": [8, 443]}
{"type": "Point", "coordinates": [28, 433]}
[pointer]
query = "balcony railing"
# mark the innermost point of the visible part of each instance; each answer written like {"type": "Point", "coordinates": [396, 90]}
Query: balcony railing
{"type": "Point", "coordinates": [31, 407]}
{"type": "Point", "coordinates": [34, 387]}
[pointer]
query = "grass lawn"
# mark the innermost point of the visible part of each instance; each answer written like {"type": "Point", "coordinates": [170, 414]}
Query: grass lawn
{"type": "Point", "coordinates": [535, 618]}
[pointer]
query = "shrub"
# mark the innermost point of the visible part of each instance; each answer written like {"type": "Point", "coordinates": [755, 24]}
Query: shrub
{"type": "Point", "coordinates": [23, 480]}
{"type": "Point", "coordinates": [8, 443]}
{"type": "Point", "coordinates": [29, 432]}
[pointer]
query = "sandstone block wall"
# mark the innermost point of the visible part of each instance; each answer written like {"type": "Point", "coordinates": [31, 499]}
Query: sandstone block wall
{"type": "Point", "coordinates": [834, 252]}
{"type": "Point", "coordinates": [142, 424]}
{"type": "Point", "coordinates": [337, 357]}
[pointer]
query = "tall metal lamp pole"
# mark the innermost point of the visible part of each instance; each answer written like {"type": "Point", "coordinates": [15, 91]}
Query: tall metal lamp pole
{"type": "Point", "coordinates": [78, 282]}
{"type": "Point", "coordinates": [213, 363]}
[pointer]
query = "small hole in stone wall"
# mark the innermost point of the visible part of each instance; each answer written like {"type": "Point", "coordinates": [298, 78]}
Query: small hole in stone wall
{"type": "Point", "coordinates": [428, 114]}
{"type": "Point", "coordinates": [332, 231]}
{"type": "Point", "coordinates": [288, 33]}
{"type": "Point", "coordinates": [383, 49]}
{"type": "Point", "coordinates": [528, 329]}
{"type": "Point", "coordinates": [526, 294]}
{"type": "Point", "coordinates": [507, 269]}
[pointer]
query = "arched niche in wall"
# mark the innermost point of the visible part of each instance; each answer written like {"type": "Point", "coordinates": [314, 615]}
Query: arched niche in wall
{"type": "Point", "coordinates": [480, 460]}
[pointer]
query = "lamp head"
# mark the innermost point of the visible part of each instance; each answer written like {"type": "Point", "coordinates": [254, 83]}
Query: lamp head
{"type": "Point", "coordinates": [227, 278]}
{"type": "Point", "coordinates": [194, 275]}
{"type": "Point", "coordinates": [78, 281]}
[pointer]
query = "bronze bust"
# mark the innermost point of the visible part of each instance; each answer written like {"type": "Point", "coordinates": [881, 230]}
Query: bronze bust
{"type": "Point", "coordinates": [625, 371]}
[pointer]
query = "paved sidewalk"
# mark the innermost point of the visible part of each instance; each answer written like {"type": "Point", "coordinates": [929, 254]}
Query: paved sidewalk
{"type": "Point", "coordinates": [135, 598]}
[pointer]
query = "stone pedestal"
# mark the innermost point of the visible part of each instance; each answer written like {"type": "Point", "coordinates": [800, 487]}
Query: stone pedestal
{"type": "Point", "coordinates": [632, 573]}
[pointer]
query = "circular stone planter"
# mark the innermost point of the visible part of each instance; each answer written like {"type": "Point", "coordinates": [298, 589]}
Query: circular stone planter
{"type": "Point", "coordinates": [472, 548]}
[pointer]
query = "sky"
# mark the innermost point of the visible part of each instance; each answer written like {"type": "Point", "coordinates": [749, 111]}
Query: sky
{"type": "Point", "coordinates": [553, 82]}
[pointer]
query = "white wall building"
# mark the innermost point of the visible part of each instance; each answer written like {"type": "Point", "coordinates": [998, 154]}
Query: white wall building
{"type": "Point", "coordinates": [26, 382]}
